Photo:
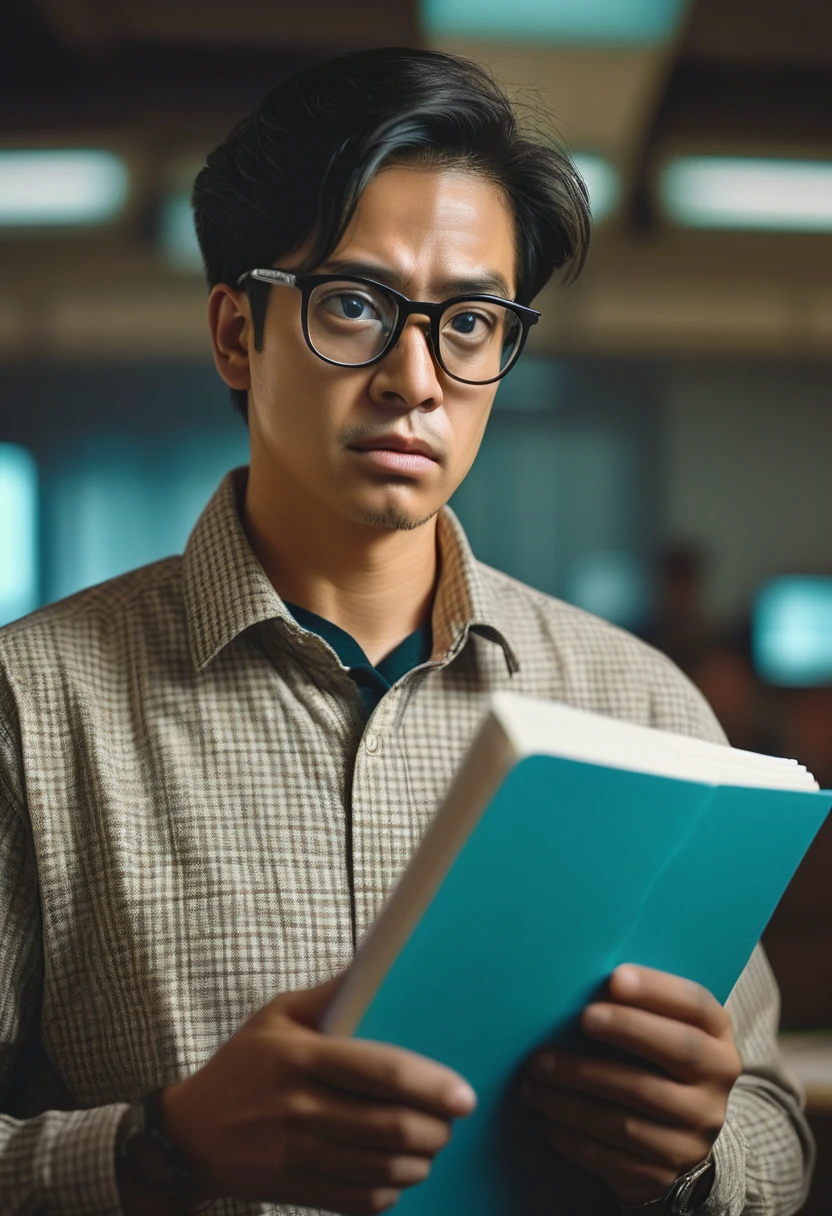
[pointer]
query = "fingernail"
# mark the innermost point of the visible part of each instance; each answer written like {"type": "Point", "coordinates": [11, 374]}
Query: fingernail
{"type": "Point", "coordinates": [627, 977]}
{"type": "Point", "coordinates": [464, 1097]}
{"type": "Point", "coordinates": [596, 1017]}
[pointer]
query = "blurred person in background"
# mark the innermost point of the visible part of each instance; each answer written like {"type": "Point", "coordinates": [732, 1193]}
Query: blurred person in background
{"type": "Point", "coordinates": [214, 769]}
{"type": "Point", "coordinates": [680, 627]}
{"type": "Point", "coordinates": [724, 674]}
{"type": "Point", "coordinates": [799, 932]}
{"type": "Point", "coordinates": [808, 731]}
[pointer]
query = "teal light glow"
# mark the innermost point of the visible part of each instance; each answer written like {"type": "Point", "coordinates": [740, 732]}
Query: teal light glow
{"type": "Point", "coordinates": [733, 192]}
{"type": "Point", "coordinates": [178, 235]}
{"type": "Point", "coordinates": [18, 533]}
{"type": "Point", "coordinates": [601, 182]}
{"type": "Point", "coordinates": [629, 22]}
{"type": "Point", "coordinates": [64, 186]}
{"type": "Point", "coordinates": [119, 502]}
{"type": "Point", "coordinates": [611, 585]}
{"type": "Point", "coordinates": [792, 631]}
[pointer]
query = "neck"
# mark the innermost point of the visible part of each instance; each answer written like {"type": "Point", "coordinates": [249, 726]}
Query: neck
{"type": "Point", "coordinates": [376, 584]}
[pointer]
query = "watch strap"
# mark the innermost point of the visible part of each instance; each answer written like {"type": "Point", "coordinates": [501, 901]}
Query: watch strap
{"type": "Point", "coordinates": [152, 1106]}
{"type": "Point", "coordinates": [681, 1199]}
{"type": "Point", "coordinates": [170, 1175]}
{"type": "Point", "coordinates": [684, 1201]}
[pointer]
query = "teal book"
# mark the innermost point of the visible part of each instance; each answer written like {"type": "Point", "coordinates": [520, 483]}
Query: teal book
{"type": "Point", "coordinates": [567, 843]}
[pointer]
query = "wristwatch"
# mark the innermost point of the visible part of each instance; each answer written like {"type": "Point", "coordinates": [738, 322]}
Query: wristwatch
{"type": "Point", "coordinates": [144, 1150]}
{"type": "Point", "coordinates": [686, 1197]}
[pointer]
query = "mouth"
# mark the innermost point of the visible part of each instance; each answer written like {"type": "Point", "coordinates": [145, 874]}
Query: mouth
{"type": "Point", "coordinates": [397, 454]}
{"type": "Point", "coordinates": [403, 444]}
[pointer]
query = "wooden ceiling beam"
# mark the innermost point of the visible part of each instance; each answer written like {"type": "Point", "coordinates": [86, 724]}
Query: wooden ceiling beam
{"type": "Point", "coordinates": [734, 95]}
{"type": "Point", "coordinates": [779, 106]}
{"type": "Point", "coordinates": [79, 24]}
{"type": "Point", "coordinates": [95, 24]}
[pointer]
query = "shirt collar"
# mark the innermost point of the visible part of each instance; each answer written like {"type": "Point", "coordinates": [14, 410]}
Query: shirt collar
{"type": "Point", "coordinates": [226, 590]}
{"type": "Point", "coordinates": [465, 602]}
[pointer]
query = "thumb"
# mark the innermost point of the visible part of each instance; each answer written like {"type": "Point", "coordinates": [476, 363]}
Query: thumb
{"type": "Point", "coordinates": [308, 1005]}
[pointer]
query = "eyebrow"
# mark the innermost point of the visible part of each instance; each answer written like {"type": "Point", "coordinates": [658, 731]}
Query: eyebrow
{"type": "Point", "coordinates": [491, 282]}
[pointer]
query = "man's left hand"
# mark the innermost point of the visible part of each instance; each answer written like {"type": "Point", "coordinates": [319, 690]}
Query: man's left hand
{"type": "Point", "coordinates": [639, 1129]}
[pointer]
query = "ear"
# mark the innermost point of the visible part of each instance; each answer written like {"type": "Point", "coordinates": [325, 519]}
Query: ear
{"type": "Point", "coordinates": [232, 334]}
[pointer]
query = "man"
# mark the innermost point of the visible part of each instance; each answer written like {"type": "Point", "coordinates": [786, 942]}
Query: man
{"type": "Point", "coordinates": [214, 769]}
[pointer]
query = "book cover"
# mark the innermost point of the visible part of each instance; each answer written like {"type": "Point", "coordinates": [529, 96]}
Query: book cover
{"type": "Point", "coordinates": [572, 869]}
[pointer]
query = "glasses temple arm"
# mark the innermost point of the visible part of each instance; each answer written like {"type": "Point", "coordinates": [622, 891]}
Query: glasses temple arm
{"type": "Point", "coordinates": [279, 278]}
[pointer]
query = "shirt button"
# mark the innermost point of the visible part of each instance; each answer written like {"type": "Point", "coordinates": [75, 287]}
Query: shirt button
{"type": "Point", "coordinates": [372, 744]}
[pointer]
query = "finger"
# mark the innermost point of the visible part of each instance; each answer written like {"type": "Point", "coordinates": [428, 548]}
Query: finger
{"type": "Point", "coordinates": [308, 1005]}
{"type": "Point", "coordinates": [670, 996]}
{"type": "Point", "coordinates": [327, 1113]}
{"type": "Point", "coordinates": [684, 1051]}
{"type": "Point", "coordinates": [378, 1070]}
{"type": "Point", "coordinates": [309, 1190]}
{"type": "Point", "coordinates": [646, 1092]}
{"type": "Point", "coordinates": [631, 1179]}
{"type": "Point", "coordinates": [658, 1143]}
{"type": "Point", "coordinates": [346, 1163]}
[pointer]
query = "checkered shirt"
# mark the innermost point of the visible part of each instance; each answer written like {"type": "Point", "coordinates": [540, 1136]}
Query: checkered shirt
{"type": "Point", "coordinates": [195, 816]}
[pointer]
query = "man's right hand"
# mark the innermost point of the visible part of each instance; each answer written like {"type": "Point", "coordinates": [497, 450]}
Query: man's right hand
{"type": "Point", "coordinates": [285, 1114]}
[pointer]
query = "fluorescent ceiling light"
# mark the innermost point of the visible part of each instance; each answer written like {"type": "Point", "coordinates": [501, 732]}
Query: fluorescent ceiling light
{"type": "Point", "coordinates": [601, 182]}
{"type": "Point", "coordinates": [792, 631]}
{"type": "Point", "coordinates": [63, 186]}
{"type": "Point", "coordinates": [178, 235]}
{"type": "Point", "coordinates": [578, 21]}
{"type": "Point", "coordinates": [732, 192]}
{"type": "Point", "coordinates": [18, 532]}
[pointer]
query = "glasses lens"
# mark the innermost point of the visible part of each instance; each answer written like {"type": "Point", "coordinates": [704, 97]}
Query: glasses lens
{"type": "Point", "coordinates": [478, 340]}
{"type": "Point", "coordinates": [350, 322]}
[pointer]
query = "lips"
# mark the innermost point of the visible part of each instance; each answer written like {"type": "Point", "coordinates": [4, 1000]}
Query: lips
{"type": "Point", "coordinates": [398, 443]}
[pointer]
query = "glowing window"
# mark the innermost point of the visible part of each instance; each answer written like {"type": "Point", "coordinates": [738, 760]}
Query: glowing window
{"type": "Point", "coordinates": [610, 585]}
{"type": "Point", "coordinates": [18, 533]}
{"type": "Point", "coordinates": [178, 235]}
{"type": "Point", "coordinates": [120, 502]}
{"type": "Point", "coordinates": [792, 631]}
{"type": "Point", "coordinates": [63, 186]}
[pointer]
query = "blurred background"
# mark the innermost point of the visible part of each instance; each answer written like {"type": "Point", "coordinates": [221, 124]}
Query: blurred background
{"type": "Point", "coordinates": [661, 454]}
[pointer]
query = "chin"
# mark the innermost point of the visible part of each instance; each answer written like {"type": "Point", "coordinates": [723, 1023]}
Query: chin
{"type": "Point", "coordinates": [393, 516]}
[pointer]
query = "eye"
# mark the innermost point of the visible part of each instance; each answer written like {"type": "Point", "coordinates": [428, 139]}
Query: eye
{"type": "Point", "coordinates": [470, 323]}
{"type": "Point", "coordinates": [351, 307]}
{"type": "Point", "coordinates": [465, 322]}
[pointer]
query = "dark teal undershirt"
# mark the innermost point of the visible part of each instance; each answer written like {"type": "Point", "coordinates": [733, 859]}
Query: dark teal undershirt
{"type": "Point", "coordinates": [373, 682]}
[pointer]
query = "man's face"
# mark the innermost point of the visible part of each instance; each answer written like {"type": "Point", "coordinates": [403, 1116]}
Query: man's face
{"type": "Point", "coordinates": [420, 231]}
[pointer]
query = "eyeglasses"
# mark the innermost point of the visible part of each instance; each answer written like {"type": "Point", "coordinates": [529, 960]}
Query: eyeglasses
{"type": "Point", "coordinates": [354, 322]}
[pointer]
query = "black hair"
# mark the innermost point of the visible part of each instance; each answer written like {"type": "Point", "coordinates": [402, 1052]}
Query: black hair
{"type": "Point", "coordinates": [294, 169]}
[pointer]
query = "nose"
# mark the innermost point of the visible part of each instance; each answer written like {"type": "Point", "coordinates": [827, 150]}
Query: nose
{"type": "Point", "coordinates": [409, 373]}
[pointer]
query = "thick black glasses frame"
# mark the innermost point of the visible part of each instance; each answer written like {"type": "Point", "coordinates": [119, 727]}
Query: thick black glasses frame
{"type": "Point", "coordinates": [306, 283]}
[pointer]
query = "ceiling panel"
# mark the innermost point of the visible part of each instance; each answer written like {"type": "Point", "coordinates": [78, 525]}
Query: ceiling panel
{"type": "Point", "coordinates": [597, 96]}
{"type": "Point", "coordinates": [244, 23]}
{"type": "Point", "coordinates": [761, 31]}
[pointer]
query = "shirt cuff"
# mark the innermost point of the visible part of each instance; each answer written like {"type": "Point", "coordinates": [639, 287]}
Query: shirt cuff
{"type": "Point", "coordinates": [75, 1162]}
{"type": "Point", "coordinates": [727, 1196]}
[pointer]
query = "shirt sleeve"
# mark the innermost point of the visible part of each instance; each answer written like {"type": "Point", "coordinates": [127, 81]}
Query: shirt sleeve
{"type": "Point", "coordinates": [60, 1163]}
{"type": "Point", "coordinates": [765, 1153]}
